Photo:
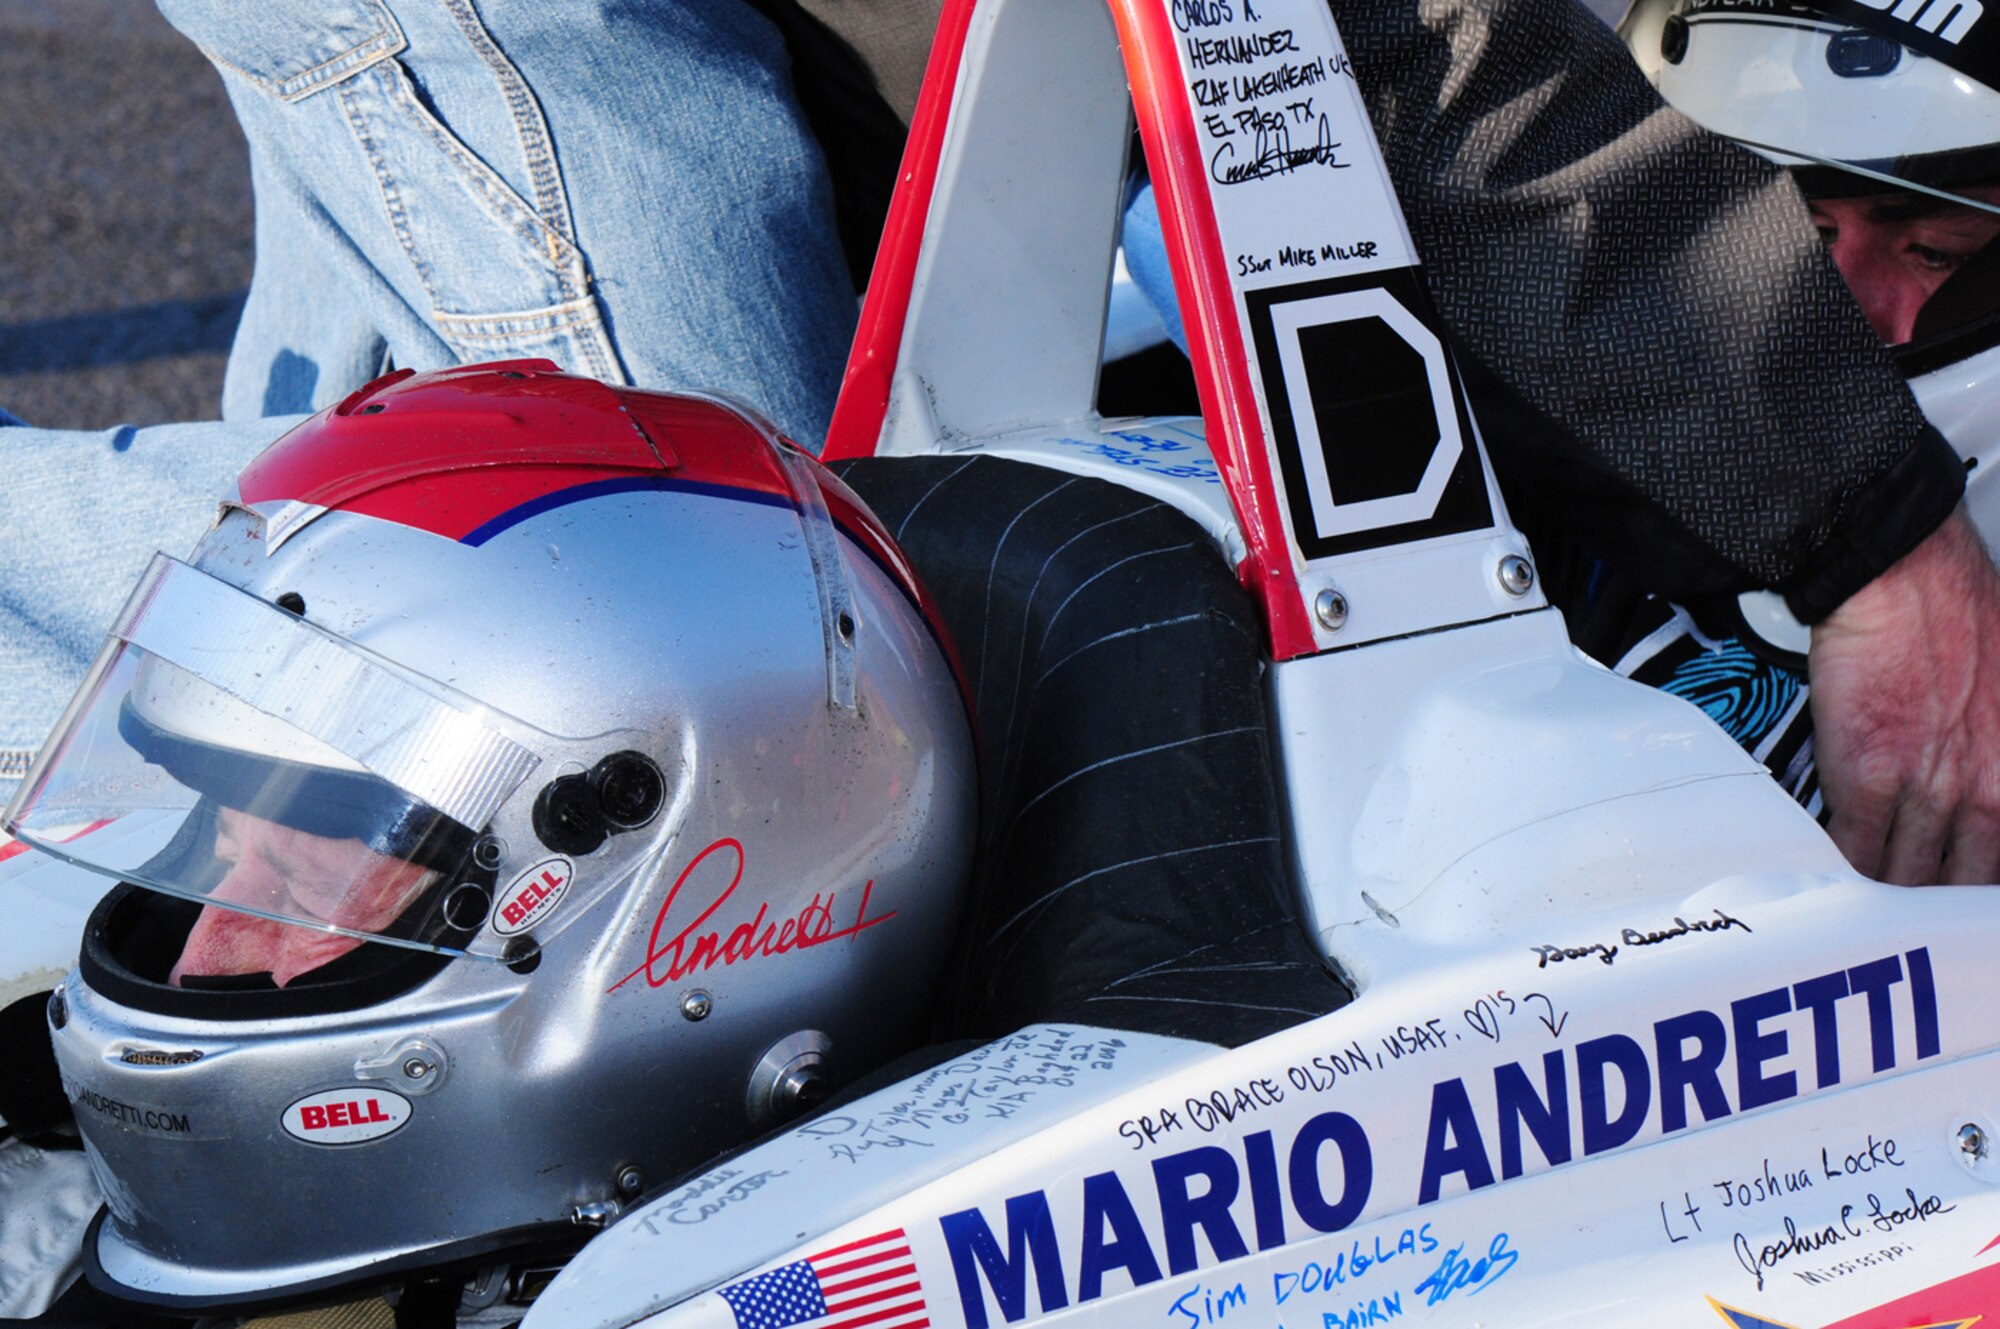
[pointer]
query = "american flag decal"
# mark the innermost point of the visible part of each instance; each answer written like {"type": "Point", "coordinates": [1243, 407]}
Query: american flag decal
{"type": "Point", "coordinates": [867, 1284]}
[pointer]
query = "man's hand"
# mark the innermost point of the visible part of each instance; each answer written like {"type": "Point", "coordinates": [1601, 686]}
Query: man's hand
{"type": "Point", "coordinates": [1906, 709]}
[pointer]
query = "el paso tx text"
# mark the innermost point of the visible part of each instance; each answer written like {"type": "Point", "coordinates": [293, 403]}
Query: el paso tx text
{"type": "Point", "coordinates": [1133, 1225]}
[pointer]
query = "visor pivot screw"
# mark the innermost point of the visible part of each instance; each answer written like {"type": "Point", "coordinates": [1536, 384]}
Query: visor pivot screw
{"type": "Point", "coordinates": [696, 1004]}
{"type": "Point", "coordinates": [416, 1068]}
{"type": "Point", "coordinates": [1330, 608]}
{"type": "Point", "coordinates": [568, 816]}
{"type": "Point", "coordinates": [488, 851]}
{"type": "Point", "coordinates": [1517, 575]}
{"type": "Point", "coordinates": [631, 1181]}
{"type": "Point", "coordinates": [1972, 1142]}
{"type": "Point", "coordinates": [630, 789]}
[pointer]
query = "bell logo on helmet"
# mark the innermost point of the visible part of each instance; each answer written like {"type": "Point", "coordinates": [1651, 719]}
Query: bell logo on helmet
{"type": "Point", "coordinates": [1947, 22]}
{"type": "Point", "coordinates": [346, 1116]}
{"type": "Point", "coordinates": [533, 896]}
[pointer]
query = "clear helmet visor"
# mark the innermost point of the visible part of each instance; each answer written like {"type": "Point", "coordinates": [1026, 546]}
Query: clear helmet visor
{"type": "Point", "coordinates": [312, 796]}
{"type": "Point", "coordinates": [1891, 124]}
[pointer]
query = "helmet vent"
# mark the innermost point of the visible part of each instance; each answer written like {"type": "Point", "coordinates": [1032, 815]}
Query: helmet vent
{"type": "Point", "coordinates": [622, 792]}
{"type": "Point", "coordinates": [1674, 39]}
{"type": "Point", "coordinates": [1855, 54]}
{"type": "Point", "coordinates": [156, 1057]}
{"type": "Point", "coordinates": [292, 603]}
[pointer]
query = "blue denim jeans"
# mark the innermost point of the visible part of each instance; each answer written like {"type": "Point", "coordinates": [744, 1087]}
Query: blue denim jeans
{"type": "Point", "coordinates": [83, 513]}
{"type": "Point", "coordinates": [625, 188]}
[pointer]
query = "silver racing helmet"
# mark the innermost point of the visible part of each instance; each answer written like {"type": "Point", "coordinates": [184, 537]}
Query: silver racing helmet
{"type": "Point", "coordinates": [526, 791]}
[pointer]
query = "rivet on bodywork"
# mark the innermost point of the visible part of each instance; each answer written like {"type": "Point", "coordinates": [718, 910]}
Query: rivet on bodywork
{"type": "Point", "coordinates": [597, 1213]}
{"type": "Point", "coordinates": [1517, 575]}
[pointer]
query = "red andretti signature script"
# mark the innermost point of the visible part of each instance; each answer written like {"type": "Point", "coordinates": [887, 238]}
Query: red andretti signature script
{"type": "Point", "coordinates": [693, 950]}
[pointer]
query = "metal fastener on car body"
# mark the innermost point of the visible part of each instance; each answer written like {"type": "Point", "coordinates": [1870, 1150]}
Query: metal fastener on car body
{"type": "Point", "coordinates": [1330, 608]}
{"type": "Point", "coordinates": [596, 1213]}
{"type": "Point", "coordinates": [1517, 575]}
{"type": "Point", "coordinates": [696, 1004]}
{"type": "Point", "coordinates": [1972, 1142]}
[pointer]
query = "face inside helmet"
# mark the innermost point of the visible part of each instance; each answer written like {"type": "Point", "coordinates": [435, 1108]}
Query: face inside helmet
{"type": "Point", "coordinates": [1900, 249]}
{"type": "Point", "coordinates": [1887, 115]}
{"type": "Point", "coordinates": [312, 798]}
{"type": "Point", "coordinates": [296, 853]}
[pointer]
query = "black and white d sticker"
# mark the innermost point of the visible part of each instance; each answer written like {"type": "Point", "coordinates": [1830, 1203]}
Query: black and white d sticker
{"type": "Point", "coordinates": [1376, 372]}
{"type": "Point", "coordinates": [1372, 438]}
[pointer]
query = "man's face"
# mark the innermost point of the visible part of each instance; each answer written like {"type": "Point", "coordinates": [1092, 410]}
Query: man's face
{"type": "Point", "coordinates": [287, 872]}
{"type": "Point", "coordinates": [1896, 249]}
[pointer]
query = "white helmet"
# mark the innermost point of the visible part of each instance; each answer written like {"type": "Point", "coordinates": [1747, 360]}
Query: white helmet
{"type": "Point", "coordinates": [1888, 115]}
{"type": "Point", "coordinates": [526, 791]}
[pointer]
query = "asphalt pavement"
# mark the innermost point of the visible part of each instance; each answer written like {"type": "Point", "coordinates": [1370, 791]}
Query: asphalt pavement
{"type": "Point", "coordinates": [125, 235]}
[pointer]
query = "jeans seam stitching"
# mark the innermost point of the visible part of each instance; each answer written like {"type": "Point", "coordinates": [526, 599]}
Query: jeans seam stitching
{"type": "Point", "coordinates": [597, 346]}
{"type": "Point", "coordinates": [386, 42]}
{"type": "Point", "coordinates": [537, 145]}
{"type": "Point", "coordinates": [392, 199]}
{"type": "Point", "coordinates": [511, 209]}
{"type": "Point", "coordinates": [581, 320]}
{"type": "Point", "coordinates": [585, 325]}
{"type": "Point", "coordinates": [551, 201]}
{"type": "Point", "coordinates": [571, 313]}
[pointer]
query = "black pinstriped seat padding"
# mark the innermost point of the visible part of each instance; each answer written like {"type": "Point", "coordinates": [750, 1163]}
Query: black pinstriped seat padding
{"type": "Point", "coordinates": [1130, 871]}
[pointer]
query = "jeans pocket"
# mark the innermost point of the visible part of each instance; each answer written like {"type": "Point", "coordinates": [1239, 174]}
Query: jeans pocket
{"type": "Point", "coordinates": [289, 48]}
{"type": "Point", "coordinates": [572, 334]}
{"type": "Point", "coordinates": [501, 274]}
